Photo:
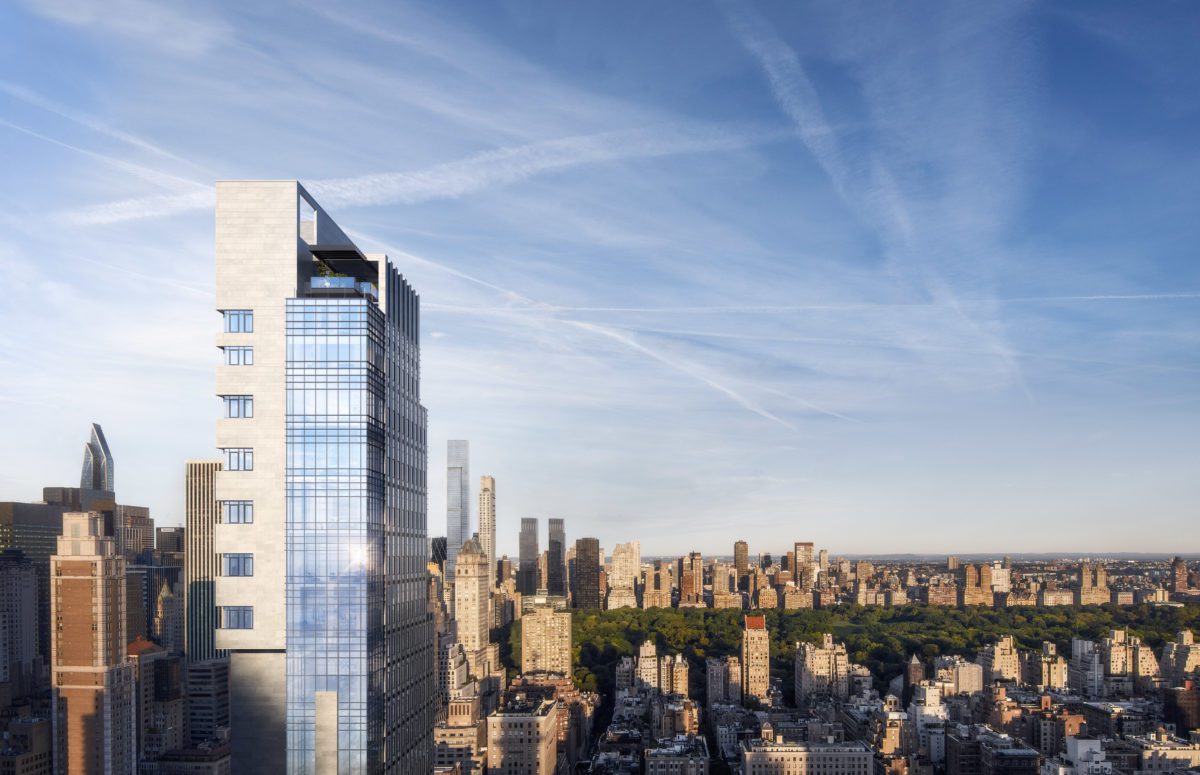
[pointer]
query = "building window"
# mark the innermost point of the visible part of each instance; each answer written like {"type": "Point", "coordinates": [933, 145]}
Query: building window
{"type": "Point", "coordinates": [239, 356]}
{"type": "Point", "coordinates": [237, 407]}
{"type": "Point", "coordinates": [237, 565]}
{"type": "Point", "coordinates": [239, 321]}
{"type": "Point", "coordinates": [238, 458]}
{"type": "Point", "coordinates": [237, 512]}
{"type": "Point", "coordinates": [237, 617]}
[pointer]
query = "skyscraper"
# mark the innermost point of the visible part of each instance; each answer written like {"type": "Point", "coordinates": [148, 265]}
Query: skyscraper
{"type": "Point", "coordinates": [741, 560]}
{"type": "Point", "coordinates": [556, 563]}
{"type": "Point", "coordinates": [487, 522]}
{"type": "Point", "coordinates": [200, 559]}
{"type": "Point", "coordinates": [471, 598]}
{"type": "Point", "coordinates": [527, 571]}
{"type": "Point", "coordinates": [93, 684]}
{"type": "Point", "coordinates": [586, 580]}
{"type": "Point", "coordinates": [98, 469]}
{"type": "Point", "coordinates": [756, 659]}
{"type": "Point", "coordinates": [458, 500]}
{"type": "Point", "coordinates": [322, 535]}
{"type": "Point", "coordinates": [20, 663]}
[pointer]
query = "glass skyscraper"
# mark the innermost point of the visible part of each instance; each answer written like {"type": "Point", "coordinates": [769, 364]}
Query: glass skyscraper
{"type": "Point", "coordinates": [458, 501]}
{"type": "Point", "coordinates": [322, 535]}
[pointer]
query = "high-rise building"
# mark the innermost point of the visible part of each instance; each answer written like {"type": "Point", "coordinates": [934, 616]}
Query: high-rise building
{"type": "Point", "coordinates": [200, 560]}
{"type": "Point", "coordinates": [168, 619]}
{"type": "Point", "coordinates": [1178, 580]}
{"type": "Point", "coordinates": [471, 598]}
{"type": "Point", "coordinates": [1093, 585]}
{"type": "Point", "coordinates": [487, 522]}
{"type": "Point", "coordinates": [626, 564]}
{"type": "Point", "coordinates": [93, 695]}
{"type": "Point", "coordinates": [768, 757]}
{"type": "Point", "coordinates": [756, 659]}
{"type": "Point", "coordinates": [33, 528]}
{"type": "Point", "coordinates": [20, 663]}
{"type": "Point", "coordinates": [134, 532]}
{"type": "Point", "coordinates": [321, 596]}
{"type": "Point", "coordinates": [691, 579]}
{"type": "Point", "coordinates": [546, 641]}
{"type": "Point", "coordinates": [527, 571]}
{"type": "Point", "coordinates": [723, 678]}
{"type": "Point", "coordinates": [207, 701]}
{"type": "Point", "coordinates": [170, 540]}
{"type": "Point", "coordinates": [556, 560]}
{"type": "Point", "coordinates": [741, 561]}
{"type": "Point", "coordinates": [458, 500]}
{"type": "Point", "coordinates": [975, 585]}
{"type": "Point", "coordinates": [822, 671]}
{"type": "Point", "coordinates": [1000, 661]}
{"type": "Point", "coordinates": [523, 737]}
{"type": "Point", "coordinates": [586, 581]}
{"type": "Point", "coordinates": [98, 471]}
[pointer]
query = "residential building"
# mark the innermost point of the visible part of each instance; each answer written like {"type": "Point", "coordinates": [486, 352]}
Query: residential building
{"type": "Point", "coordinates": [93, 685]}
{"type": "Point", "coordinates": [487, 524]}
{"type": "Point", "coordinates": [756, 659]}
{"type": "Point", "coordinates": [1181, 658]}
{"type": "Point", "coordinates": [321, 595]}
{"type": "Point", "coordinates": [546, 641]}
{"type": "Point", "coordinates": [822, 671]}
{"type": "Point", "coordinates": [723, 678]}
{"type": "Point", "coordinates": [471, 600]}
{"type": "Point", "coordinates": [682, 754]}
{"type": "Point", "coordinates": [527, 570]}
{"type": "Point", "coordinates": [1045, 668]}
{"type": "Point", "coordinates": [523, 737]}
{"type": "Point", "coordinates": [1001, 661]}
{"type": "Point", "coordinates": [768, 757]}
{"type": "Point", "coordinates": [458, 501]}
{"type": "Point", "coordinates": [556, 559]}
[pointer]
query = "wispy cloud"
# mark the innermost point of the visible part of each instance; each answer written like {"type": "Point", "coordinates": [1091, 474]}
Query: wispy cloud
{"type": "Point", "coordinates": [172, 27]}
{"type": "Point", "coordinates": [451, 180]}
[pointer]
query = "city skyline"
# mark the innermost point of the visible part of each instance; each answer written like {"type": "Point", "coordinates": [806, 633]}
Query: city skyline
{"type": "Point", "coordinates": [977, 308]}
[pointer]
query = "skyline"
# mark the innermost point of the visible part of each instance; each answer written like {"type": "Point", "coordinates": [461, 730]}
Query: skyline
{"type": "Point", "coordinates": [664, 291]}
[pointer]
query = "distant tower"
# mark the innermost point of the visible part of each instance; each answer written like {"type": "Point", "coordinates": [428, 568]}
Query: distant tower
{"type": "Point", "coordinates": [587, 573]}
{"type": "Point", "coordinates": [94, 688]}
{"type": "Point", "coordinates": [97, 471]}
{"type": "Point", "coordinates": [556, 567]}
{"type": "Point", "coordinates": [741, 561]}
{"type": "Point", "coordinates": [1178, 580]}
{"type": "Point", "coordinates": [458, 500]}
{"type": "Point", "coordinates": [487, 521]}
{"type": "Point", "coordinates": [527, 570]}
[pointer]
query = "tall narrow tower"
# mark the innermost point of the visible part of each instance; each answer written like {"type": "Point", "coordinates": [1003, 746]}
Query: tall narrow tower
{"type": "Point", "coordinates": [556, 559]}
{"type": "Point", "coordinates": [458, 500]}
{"type": "Point", "coordinates": [487, 523]}
{"type": "Point", "coordinates": [527, 571]}
{"type": "Point", "coordinates": [322, 535]}
{"type": "Point", "coordinates": [94, 689]}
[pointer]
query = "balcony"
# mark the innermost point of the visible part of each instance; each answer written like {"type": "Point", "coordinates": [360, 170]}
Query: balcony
{"type": "Point", "coordinates": [341, 287]}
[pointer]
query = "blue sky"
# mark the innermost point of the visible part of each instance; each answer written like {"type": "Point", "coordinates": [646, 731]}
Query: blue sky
{"type": "Point", "coordinates": [884, 276]}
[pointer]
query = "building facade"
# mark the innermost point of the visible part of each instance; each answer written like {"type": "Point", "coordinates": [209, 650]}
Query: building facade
{"type": "Point", "coordinates": [200, 559]}
{"type": "Point", "coordinates": [322, 535]}
{"type": "Point", "coordinates": [546, 641]}
{"type": "Point", "coordinates": [93, 686]}
{"type": "Point", "coordinates": [756, 660]}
